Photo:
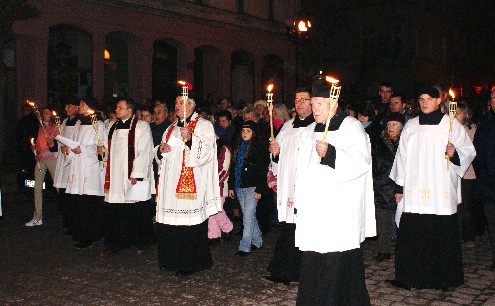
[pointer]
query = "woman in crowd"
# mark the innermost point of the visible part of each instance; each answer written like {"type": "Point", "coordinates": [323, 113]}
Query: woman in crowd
{"type": "Point", "coordinates": [383, 154]}
{"type": "Point", "coordinates": [468, 206]}
{"type": "Point", "coordinates": [250, 168]}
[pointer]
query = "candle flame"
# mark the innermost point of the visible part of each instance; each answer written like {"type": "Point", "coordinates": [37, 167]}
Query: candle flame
{"type": "Point", "coordinates": [54, 113]}
{"type": "Point", "coordinates": [32, 141]}
{"type": "Point", "coordinates": [451, 93]}
{"type": "Point", "coordinates": [90, 111]}
{"type": "Point", "coordinates": [31, 103]}
{"type": "Point", "coordinates": [302, 26]}
{"type": "Point", "coordinates": [183, 83]}
{"type": "Point", "coordinates": [331, 80]}
{"type": "Point", "coordinates": [269, 87]}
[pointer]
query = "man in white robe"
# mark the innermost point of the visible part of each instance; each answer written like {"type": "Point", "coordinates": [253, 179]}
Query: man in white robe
{"type": "Point", "coordinates": [428, 250]}
{"type": "Point", "coordinates": [85, 178]}
{"type": "Point", "coordinates": [334, 208]}
{"type": "Point", "coordinates": [286, 262]}
{"type": "Point", "coordinates": [188, 191]}
{"type": "Point", "coordinates": [129, 170]}
{"type": "Point", "coordinates": [64, 158]}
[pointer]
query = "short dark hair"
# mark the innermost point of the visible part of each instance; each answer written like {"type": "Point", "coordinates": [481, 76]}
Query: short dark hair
{"type": "Point", "coordinates": [386, 84]}
{"type": "Point", "coordinates": [401, 95]}
{"type": "Point", "coordinates": [225, 113]}
{"type": "Point", "coordinates": [367, 110]}
{"type": "Point", "coordinates": [304, 89]}
{"type": "Point", "coordinates": [130, 103]}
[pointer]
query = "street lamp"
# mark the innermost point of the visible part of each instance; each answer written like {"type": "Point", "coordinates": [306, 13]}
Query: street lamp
{"type": "Point", "coordinates": [298, 32]}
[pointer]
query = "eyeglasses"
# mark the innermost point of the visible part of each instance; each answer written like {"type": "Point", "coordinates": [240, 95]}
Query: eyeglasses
{"type": "Point", "coordinates": [301, 100]}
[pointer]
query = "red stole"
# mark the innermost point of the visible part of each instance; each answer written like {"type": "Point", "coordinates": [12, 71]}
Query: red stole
{"type": "Point", "coordinates": [186, 187]}
{"type": "Point", "coordinates": [131, 152]}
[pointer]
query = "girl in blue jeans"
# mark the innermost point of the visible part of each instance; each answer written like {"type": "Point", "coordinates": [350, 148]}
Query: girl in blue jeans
{"type": "Point", "coordinates": [249, 166]}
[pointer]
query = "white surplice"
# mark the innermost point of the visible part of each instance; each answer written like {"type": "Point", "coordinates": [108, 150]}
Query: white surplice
{"type": "Point", "coordinates": [85, 174]}
{"type": "Point", "coordinates": [202, 157]}
{"type": "Point", "coordinates": [335, 207]}
{"type": "Point", "coordinates": [63, 161]}
{"type": "Point", "coordinates": [285, 170]}
{"type": "Point", "coordinates": [142, 166]}
{"type": "Point", "coordinates": [421, 168]}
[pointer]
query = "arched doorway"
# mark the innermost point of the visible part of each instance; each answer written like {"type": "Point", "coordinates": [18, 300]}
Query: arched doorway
{"type": "Point", "coordinates": [208, 75]}
{"type": "Point", "coordinates": [70, 63]}
{"type": "Point", "coordinates": [273, 72]}
{"type": "Point", "coordinates": [242, 76]}
{"type": "Point", "coordinates": [164, 74]}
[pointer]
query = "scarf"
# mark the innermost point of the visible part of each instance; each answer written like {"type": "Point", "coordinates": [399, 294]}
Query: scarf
{"type": "Point", "coordinates": [131, 153]}
{"type": "Point", "coordinates": [239, 162]}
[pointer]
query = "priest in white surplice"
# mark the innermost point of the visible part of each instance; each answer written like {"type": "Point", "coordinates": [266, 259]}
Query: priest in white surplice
{"type": "Point", "coordinates": [286, 262]}
{"type": "Point", "coordinates": [188, 192]}
{"type": "Point", "coordinates": [65, 156]}
{"type": "Point", "coordinates": [85, 179]}
{"type": "Point", "coordinates": [428, 249]}
{"type": "Point", "coordinates": [334, 209]}
{"type": "Point", "coordinates": [128, 221]}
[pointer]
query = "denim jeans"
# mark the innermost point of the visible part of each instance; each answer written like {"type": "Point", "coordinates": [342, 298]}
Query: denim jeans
{"type": "Point", "coordinates": [251, 233]}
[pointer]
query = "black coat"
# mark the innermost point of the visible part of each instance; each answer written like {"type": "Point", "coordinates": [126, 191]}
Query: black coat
{"type": "Point", "coordinates": [255, 168]}
{"type": "Point", "coordinates": [484, 162]}
{"type": "Point", "coordinates": [383, 154]}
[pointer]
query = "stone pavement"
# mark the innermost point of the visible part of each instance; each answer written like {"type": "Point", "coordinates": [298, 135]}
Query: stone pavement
{"type": "Point", "coordinates": [39, 266]}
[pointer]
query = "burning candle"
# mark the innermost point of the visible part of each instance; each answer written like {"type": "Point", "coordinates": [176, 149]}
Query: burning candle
{"type": "Point", "coordinates": [185, 97]}
{"type": "Point", "coordinates": [269, 104]}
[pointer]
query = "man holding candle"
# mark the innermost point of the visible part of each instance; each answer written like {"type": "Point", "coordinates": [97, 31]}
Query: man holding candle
{"type": "Point", "coordinates": [334, 209]}
{"type": "Point", "coordinates": [65, 156]}
{"type": "Point", "coordinates": [130, 145]}
{"type": "Point", "coordinates": [188, 191]}
{"type": "Point", "coordinates": [286, 261]}
{"type": "Point", "coordinates": [428, 250]}
{"type": "Point", "coordinates": [85, 183]}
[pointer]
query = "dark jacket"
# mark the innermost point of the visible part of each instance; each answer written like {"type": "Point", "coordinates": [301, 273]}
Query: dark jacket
{"type": "Point", "coordinates": [484, 162]}
{"type": "Point", "coordinates": [255, 168]}
{"type": "Point", "coordinates": [374, 130]}
{"type": "Point", "coordinates": [383, 154]}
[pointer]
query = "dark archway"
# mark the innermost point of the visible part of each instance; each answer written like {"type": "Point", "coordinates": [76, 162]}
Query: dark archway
{"type": "Point", "coordinates": [242, 76]}
{"type": "Point", "coordinates": [70, 63]}
{"type": "Point", "coordinates": [208, 74]}
{"type": "Point", "coordinates": [164, 83]}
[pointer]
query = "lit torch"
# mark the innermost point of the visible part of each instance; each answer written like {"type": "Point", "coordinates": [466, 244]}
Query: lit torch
{"type": "Point", "coordinates": [32, 104]}
{"type": "Point", "coordinates": [452, 113]}
{"type": "Point", "coordinates": [185, 97]}
{"type": "Point", "coordinates": [94, 123]}
{"type": "Point", "coordinates": [334, 98]}
{"type": "Point", "coordinates": [269, 104]}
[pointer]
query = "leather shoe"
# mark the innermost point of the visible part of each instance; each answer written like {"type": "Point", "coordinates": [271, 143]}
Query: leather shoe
{"type": "Point", "coordinates": [241, 253]}
{"type": "Point", "coordinates": [275, 279]}
{"type": "Point", "coordinates": [397, 284]}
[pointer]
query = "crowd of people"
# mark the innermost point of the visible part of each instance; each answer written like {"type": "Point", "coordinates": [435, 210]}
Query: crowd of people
{"type": "Point", "coordinates": [331, 176]}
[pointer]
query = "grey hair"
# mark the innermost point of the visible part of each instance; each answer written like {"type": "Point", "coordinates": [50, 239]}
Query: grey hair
{"type": "Point", "coordinates": [250, 110]}
{"type": "Point", "coordinates": [282, 112]}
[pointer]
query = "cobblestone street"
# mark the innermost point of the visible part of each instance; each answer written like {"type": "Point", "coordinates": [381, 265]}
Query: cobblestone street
{"type": "Point", "coordinates": [39, 266]}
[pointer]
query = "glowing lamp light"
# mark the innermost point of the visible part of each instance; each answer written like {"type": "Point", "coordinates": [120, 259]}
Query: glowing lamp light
{"type": "Point", "coordinates": [106, 55]}
{"type": "Point", "coordinates": [302, 27]}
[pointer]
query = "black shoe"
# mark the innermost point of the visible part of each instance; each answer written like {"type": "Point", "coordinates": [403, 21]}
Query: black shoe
{"type": "Point", "coordinates": [83, 245]}
{"type": "Point", "coordinates": [184, 273]}
{"type": "Point", "coordinates": [275, 279]}
{"type": "Point", "coordinates": [254, 248]}
{"type": "Point", "coordinates": [382, 256]}
{"type": "Point", "coordinates": [397, 284]}
{"type": "Point", "coordinates": [241, 253]}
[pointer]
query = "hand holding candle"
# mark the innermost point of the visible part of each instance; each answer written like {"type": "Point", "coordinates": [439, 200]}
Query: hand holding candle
{"type": "Point", "coordinates": [35, 152]}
